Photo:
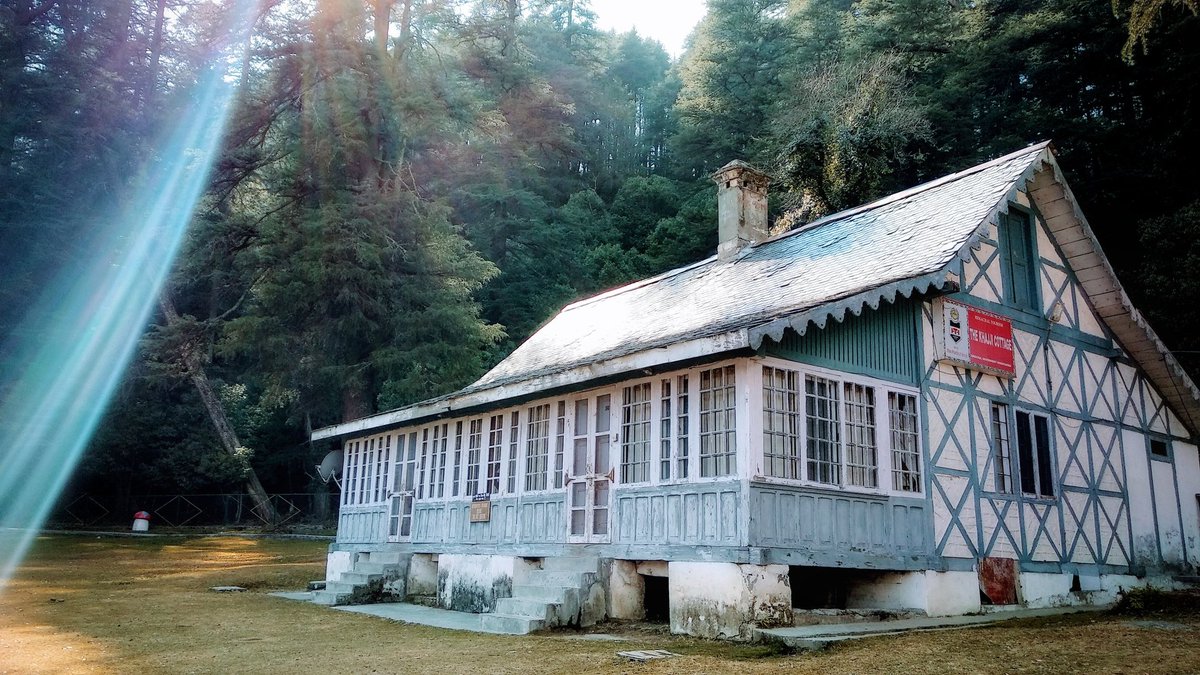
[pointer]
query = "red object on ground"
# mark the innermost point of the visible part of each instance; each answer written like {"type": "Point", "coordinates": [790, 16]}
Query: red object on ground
{"type": "Point", "coordinates": [142, 515]}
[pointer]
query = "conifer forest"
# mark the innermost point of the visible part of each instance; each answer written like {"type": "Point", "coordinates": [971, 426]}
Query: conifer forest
{"type": "Point", "coordinates": [407, 189]}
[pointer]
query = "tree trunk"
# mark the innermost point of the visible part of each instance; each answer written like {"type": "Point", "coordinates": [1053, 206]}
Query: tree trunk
{"type": "Point", "coordinates": [383, 24]}
{"type": "Point", "coordinates": [216, 414]}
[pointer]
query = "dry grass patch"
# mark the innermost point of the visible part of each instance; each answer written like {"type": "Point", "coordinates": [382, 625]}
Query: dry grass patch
{"type": "Point", "coordinates": [87, 605]}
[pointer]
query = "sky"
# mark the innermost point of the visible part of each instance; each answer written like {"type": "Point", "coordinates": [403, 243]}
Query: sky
{"type": "Point", "coordinates": [668, 21]}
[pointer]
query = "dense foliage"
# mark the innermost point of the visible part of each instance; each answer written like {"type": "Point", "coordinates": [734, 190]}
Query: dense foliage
{"type": "Point", "coordinates": [409, 188]}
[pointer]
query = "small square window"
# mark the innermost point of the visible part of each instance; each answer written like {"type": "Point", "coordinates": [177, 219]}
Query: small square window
{"type": "Point", "coordinates": [1159, 448]}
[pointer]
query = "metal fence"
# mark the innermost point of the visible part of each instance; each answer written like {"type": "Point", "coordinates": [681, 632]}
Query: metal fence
{"type": "Point", "coordinates": [197, 510]}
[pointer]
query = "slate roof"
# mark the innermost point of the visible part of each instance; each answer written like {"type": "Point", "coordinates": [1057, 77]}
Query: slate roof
{"type": "Point", "coordinates": [899, 245]}
{"type": "Point", "coordinates": [904, 236]}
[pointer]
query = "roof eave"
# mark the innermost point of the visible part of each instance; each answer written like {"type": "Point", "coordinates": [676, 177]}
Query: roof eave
{"type": "Point", "coordinates": [1070, 229]}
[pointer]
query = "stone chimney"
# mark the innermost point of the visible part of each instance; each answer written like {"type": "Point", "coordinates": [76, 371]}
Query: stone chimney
{"type": "Point", "coordinates": [741, 207]}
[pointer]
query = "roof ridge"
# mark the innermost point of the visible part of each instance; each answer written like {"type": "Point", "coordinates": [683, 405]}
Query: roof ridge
{"type": "Point", "coordinates": [904, 194]}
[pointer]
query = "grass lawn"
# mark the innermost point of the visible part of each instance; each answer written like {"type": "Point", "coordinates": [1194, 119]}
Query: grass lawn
{"type": "Point", "coordinates": [118, 605]}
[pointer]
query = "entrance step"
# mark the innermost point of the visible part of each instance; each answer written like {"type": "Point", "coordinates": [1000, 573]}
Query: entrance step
{"type": "Point", "coordinates": [814, 617]}
{"type": "Point", "coordinates": [571, 564]}
{"type": "Point", "coordinates": [362, 584]}
{"type": "Point", "coordinates": [512, 625]}
{"type": "Point", "coordinates": [557, 578]}
{"type": "Point", "coordinates": [819, 637]}
{"type": "Point", "coordinates": [556, 594]}
{"type": "Point", "coordinates": [534, 609]}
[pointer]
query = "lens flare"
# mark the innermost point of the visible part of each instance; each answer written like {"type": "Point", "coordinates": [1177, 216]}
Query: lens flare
{"type": "Point", "coordinates": [87, 325]}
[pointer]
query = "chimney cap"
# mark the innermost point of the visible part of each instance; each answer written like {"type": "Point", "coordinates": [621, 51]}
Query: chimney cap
{"type": "Point", "coordinates": [751, 177]}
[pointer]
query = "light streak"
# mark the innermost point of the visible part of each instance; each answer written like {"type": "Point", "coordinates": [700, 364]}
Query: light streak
{"type": "Point", "coordinates": [79, 335]}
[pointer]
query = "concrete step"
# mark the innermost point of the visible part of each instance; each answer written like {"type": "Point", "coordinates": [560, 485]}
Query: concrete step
{"type": "Point", "coordinates": [329, 598]}
{"type": "Point", "coordinates": [818, 637]}
{"type": "Point", "coordinates": [384, 568]}
{"type": "Point", "coordinates": [534, 609]}
{"type": "Point", "coordinates": [813, 617]}
{"type": "Point", "coordinates": [571, 564]}
{"type": "Point", "coordinates": [340, 587]}
{"type": "Point", "coordinates": [550, 594]}
{"type": "Point", "coordinates": [557, 578]}
{"type": "Point", "coordinates": [359, 578]}
{"type": "Point", "coordinates": [388, 557]}
{"type": "Point", "coordinates": [424, 600]}
{"type": "Point", "coordinates": [512, 625]}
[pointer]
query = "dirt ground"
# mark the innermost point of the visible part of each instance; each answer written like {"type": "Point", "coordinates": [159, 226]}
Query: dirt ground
{"type": "Point", "coordinates": [120, 605]}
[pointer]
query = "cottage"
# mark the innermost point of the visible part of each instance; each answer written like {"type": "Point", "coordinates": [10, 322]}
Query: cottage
{"type": "Point", "coordinates": [938, 400]}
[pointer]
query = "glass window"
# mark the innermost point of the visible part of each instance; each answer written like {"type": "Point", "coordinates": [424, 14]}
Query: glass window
{"type": "Point", "coordinates": [1002, 449]}
{"type": "Point", "coordinates": [781, 422]}
{"type": "Point", "coordinates": [635, 434]}
{"type": "Point", "coordinates": [537, 447]}
{"type": "Point", "coordinates": [906, 448]}
{"type": "Point", "coordinates": [822, 430]}
{"type": "Point", "coordinates": [681, 427]}
{"type": "Point", "coordinates": [862, 457]}
{"type": "Point", "coordinates": [495, 453]}
{"type": "Point", "coordinates": [718, 425]}
{"type": "Point", "coordinates": [1033, 449]}
{"type": "Point", "coordinates": [474, 453]}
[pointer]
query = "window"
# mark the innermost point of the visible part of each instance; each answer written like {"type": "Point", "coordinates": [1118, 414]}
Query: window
{"type": "Point", "coordinates": [474, 443]}
{"type": "Point", "coordinates": [458, 446]}
{"type": "Point", "coordinates": [514, 432]}
{"type": "Point", "coordinates": [822, 430]}
{"type": "Point", "coordinates": [560, 443]}
{"type": "Point", "coordinates": [424, 463]}
{"type": "Point", "coordinates": [718, 438]}
{"type": "Point", "coordinates": [1018, 260]}
{"type": "Point", "coordinates": [1159, 448]}
{"type": "Point", "coordinates": [906, 452]}
{"type": "Point", "coordinates": [1033, 454]}
{"type": "Point", "coordinates": [537, 447]}
{"type": "Point", "coordinates": [1002, 449]}
{"type": "Point", "coordinates": [681, 427]}
{"type": "Point", "coordinates": [635, 434]}
{"type": "Point", "coordinates": [383, 466]}
{"type": "Point", "coordinates": [495, 453]}
{"type": "Point", "coordinates": [862, 458]}
{"type": "Point", "coordinates": [665, 424]}
{"type": "Point", "coordinates": [437, 466]}
{"type": "Point", "coordinates": [781, 422]}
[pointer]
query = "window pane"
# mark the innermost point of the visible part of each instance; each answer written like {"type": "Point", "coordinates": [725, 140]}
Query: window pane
{"type": "Point", "coordinates": [537, 447]}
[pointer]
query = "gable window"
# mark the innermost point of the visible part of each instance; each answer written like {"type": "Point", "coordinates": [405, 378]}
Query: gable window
{"type": "Point", "coordinates": [1018, 260]}
{"type": "Point", "coordinates": [635, 434]}
{"type": "Point", "coordinates": [1002, 449]}
{"type": "Point", "coordinates": [1033, 454]}
{"type": "Point", "coordinates": [718, 446]}
{"type": "Point", "coordinates": [1159, 449]}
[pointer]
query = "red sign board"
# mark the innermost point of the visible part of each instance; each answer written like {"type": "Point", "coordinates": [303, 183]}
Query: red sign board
{"type": "Point", "coordinates": [976, 338]}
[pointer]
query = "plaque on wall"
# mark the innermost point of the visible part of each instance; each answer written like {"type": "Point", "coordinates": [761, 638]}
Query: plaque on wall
{"type": "Point", "coordinates": [481, 508]}
{"type": "Point", "coordinates": [973, 338]}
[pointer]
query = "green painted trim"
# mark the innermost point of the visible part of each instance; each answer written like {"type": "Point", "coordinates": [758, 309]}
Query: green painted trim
{"type": "Point", "coordinates": [882, 343]}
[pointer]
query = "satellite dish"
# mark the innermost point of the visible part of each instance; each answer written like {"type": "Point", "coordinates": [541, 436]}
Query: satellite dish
{"type": "Point", "coordinates": [331, 465]}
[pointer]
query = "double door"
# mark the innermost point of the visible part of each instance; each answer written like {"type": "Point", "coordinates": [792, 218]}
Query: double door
{"type": "Point", "coordinates": [590, 471]}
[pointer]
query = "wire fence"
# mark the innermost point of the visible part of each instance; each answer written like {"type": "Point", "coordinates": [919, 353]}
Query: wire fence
{"type": "Point", "coordinates": [198, 510]}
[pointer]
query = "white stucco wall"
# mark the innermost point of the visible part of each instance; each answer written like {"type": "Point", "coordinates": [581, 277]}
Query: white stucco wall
{"type": "Point", "coordinates": [336, 563]}
{"type": "Point", "coordinates": [473, 583]}
{"type": "Point", "coordinates": [723, 600]}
